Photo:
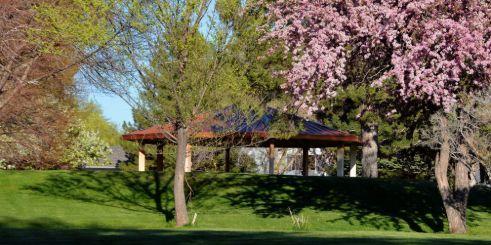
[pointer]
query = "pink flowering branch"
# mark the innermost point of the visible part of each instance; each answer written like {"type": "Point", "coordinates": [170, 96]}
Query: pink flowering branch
{"type": "Point", "coordinates": [436, 49]}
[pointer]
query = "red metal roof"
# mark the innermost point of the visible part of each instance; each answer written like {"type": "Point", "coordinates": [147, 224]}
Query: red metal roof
{"type": "Point", "coordinates": [310, 133]}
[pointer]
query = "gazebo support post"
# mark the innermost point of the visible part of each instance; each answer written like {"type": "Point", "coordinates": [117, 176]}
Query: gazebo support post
{"type": "Point", "coordinates": [340, 161]}
{"type": "Point", "coordinates": [160, 157]}
{"type": "Point", "coordinates": [227, 159]}
{"type": "Point", "coordinates": [352, 161]}
{"type": "Point", "coordinates": [305, 161]}
{"type": "Point", "coordinates": [189, 164]}
{"type": "Point", "coordinates": [141, 158]}
{"type": "Point", "coordinates": [271, 158]}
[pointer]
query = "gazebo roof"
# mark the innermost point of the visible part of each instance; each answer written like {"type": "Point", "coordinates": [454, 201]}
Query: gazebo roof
{"type": "Point", "coordinates": [227, 125]}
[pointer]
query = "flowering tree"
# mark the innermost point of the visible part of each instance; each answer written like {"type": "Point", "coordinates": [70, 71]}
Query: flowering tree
{"type": "Point", "coordinates": [427, 51]}
{"type": "Point", "coordinates": [87, 148]}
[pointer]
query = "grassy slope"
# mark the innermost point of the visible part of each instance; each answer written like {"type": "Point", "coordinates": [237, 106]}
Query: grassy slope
{"type": "Point", "coordinates": [110, 205]}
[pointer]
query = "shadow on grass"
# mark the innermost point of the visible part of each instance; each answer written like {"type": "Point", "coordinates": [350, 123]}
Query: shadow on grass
{"type": "Point", "coordinates": [48, 231]}
{"type": "Point", "coordinates": [148, 192]}
{"type": "Point", "coordinates": [417, 204]}
{"type": "Point", "coordinates": [480, 199]}
{"type": "Point", "coordinates": [379, 203]}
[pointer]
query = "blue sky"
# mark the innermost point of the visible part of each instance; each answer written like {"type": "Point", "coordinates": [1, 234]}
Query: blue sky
{"type": "Point", "coordinates": [113, 108]}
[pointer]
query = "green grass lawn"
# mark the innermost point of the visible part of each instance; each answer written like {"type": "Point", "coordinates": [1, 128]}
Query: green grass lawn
{"type": "Point", "coordinates": [129, 207]}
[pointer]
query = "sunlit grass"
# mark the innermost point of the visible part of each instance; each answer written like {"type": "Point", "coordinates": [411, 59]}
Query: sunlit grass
{"type": "Point", "coordinates": [130, 204]}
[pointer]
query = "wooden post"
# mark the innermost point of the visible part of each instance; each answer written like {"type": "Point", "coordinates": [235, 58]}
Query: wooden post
{"type": "Point", "coordinates": [271, 158]}
{"type": "Point", "coordinates": [475, 174]}
{"type": "Point", "coordinates": [305, 161]}
{"type": "Point", "coordinates": [352, 161]}
{"type": "Point", "coordinates": [227, 160]}
{"type": "Point", "coordinates": [159, 160]}
{"type": "Point", "coordinates": [340, 161]}
{"type": "Point", "coordinates": [189, 164]}
{"type": "Point", "coordinates": [141, 158]}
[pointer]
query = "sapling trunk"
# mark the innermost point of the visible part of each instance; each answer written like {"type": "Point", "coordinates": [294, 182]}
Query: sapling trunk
{"type": "Point", "coordinates": [179, 195]}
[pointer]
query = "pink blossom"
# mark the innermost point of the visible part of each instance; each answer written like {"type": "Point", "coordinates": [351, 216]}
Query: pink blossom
{"type": "Point", "coordinates": [436, 49]}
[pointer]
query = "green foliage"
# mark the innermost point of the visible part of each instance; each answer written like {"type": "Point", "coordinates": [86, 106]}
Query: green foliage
{"type": "Point", "coordinates": [251, 56]}
{"type": "Point", "coordinates": [207, 70]}
{"type": "Point", "coordinates": [211, 160]}
{"type": "Point", "coordinates": [284, 127]}
{"type": "Point", "coordinates": [414, 162]}
{"type": "Point", "coordinates": [398, 128]}
{"type": "Point", "coordinates": [86, 148]}
{"type": "Point", "coordinates": [186, 67]}
{"type": "Point", "coordinates": [93, 120]}
{"type": "Point", "coordinates": [79, 23]}
{"type": "Point", "coordinates": [351, 108]}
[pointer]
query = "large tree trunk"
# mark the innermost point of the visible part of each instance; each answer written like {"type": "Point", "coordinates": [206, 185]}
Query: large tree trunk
{"type": "Point", "coordinates": [179, 196]}
{"type": "Point", "coordinates": [454, 200]}
{"type": "Point", "coordinates": [460, 196]}
{"type": "Point", "coordinates": [369, 137]}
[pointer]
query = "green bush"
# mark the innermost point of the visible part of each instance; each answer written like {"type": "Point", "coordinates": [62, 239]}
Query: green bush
{"type": "Point", "coordinates": [87, 148]}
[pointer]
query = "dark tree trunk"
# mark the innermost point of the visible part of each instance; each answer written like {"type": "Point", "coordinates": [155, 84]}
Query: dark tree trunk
{"type": "Point", "coordinates": [460, 196]}
{"type": "Point", "coordinates": [305, 161]}
{"type": "Point", "coordinates": [369, 137]}
{"type": "Point", "coordinates": [227, 160]}
{"type": "Point", "coordinates": [179, 195]}
{"type": "Point", "coordinates": [160, 157]}
{"type": "Point", "coordinates": [454, 199]}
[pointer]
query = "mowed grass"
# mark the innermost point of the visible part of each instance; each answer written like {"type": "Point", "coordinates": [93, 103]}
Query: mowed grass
{"type": "Point", "coordinates": [129, 207]}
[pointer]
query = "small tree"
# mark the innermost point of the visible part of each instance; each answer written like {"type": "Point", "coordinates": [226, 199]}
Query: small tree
{"type": "Point", "coordinates": [424, 52]}
{"type": "Point", "coordinates": [170, 60]}
{"type": "Point", "coordinates": [86, 147]}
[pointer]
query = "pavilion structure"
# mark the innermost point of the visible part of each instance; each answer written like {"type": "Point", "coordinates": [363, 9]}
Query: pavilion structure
{"type": "Point", "coordinates": [236, 131]}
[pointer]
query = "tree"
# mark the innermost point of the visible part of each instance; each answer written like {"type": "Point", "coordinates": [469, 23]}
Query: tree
{"type": "Point", "coordinates": [433, 52]}
{"type": "Point", "coordinates": [398, 130]}
{"type": "Point", "coordinates": [328, 52]}
{"type": "Point", "coordinates": [19, 56]}
{"type": "Point", "coordinates": [91, 117]}
{"type": "Point", "coordinates": [86, 147]}
{"type": "Point", "coordinates": [170, 60]}
{"type": "Point", "coordinates": [464, 140]}
{"type": "Point", "coordinates": [35, 97]}
{"type": "Point", "coordinates": [36, 75]}
{"type": "Point", "coordinates": [90, 136]}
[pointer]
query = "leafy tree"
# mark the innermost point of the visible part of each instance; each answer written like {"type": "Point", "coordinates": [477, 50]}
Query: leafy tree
{"type": "Point", "coordinates": [425, 53]}
{"type": "Point", "coordinates": [86, 147]}
{"type": "Point", "coordinates": [251, 57]}
{"type": "Point", "coordinates": [43, 43]}
{"type": "Point", "coordinates": [170, 60]}
{"type": "Point", "coordinates": [398, 130]}
{"type": "Point", "coordinates": [93, 120]}
{"type": "Point", "coordinates": [35, 91]}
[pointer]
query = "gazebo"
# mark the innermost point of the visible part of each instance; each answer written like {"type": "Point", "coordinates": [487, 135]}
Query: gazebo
{"type": "Point", "coordinates": [234, 130]}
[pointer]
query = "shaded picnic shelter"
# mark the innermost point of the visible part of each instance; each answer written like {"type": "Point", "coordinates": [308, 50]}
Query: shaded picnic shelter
{"type": "Point", "coordinates": [232, 130]}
